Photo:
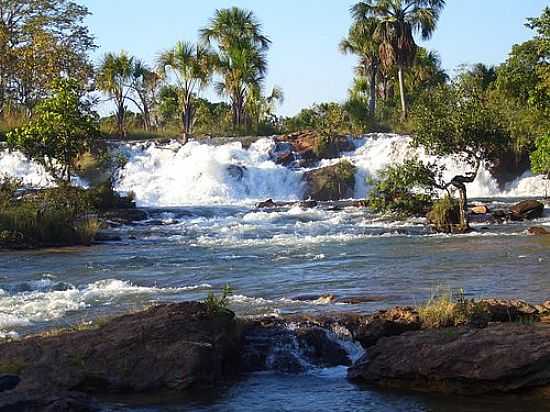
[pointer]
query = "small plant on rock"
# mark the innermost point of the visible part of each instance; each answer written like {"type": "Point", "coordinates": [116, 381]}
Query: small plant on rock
{"type": "Point", "coordinates": [217, 304]}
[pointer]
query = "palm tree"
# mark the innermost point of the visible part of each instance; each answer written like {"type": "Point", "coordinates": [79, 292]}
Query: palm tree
{"type": "Point", "coordinates": [426, 72]}
{"type": "Point", "coordinates": [115, 79]}
{"type": "Point", "coordinates": [362, 42]}
{"type": "Point", "coordinates": [242, 59]}
{"type": "Point", "coordinates": [146, 83]}
{"type": "Point", "coordinates": [397, 23]}
{"type": "Point", "coordinates": [259, 107]}
{"type": "Point", "coordinates": [190, 66]}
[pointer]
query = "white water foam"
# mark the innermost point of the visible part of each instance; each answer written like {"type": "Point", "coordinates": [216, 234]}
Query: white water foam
{"type": "Point", "coordinates": [196, 173]}
{"type": "Point", "coordinates": [15, 164]}
{"type": "Point", "coordinates": [202, 174]}
{"type": "Point", "coordinates": [44, 303]}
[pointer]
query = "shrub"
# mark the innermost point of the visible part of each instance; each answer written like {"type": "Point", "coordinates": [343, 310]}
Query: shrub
{"type": "Point", "coordinates": [448, 309]}
{"type": "Point", "coordinates": [445, 216]}
{"type": "Point", "coordinates": [405, 189]}
{"type": "Point", "coordinates": [540, 158]}
{"type": "Point", "coordinates": [216, 304]}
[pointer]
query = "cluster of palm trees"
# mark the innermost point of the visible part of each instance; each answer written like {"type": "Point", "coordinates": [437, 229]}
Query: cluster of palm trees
{"type": "Point", "coordinates": [383, 37]}
{"type": "Point", "coordinates": [232, 46]}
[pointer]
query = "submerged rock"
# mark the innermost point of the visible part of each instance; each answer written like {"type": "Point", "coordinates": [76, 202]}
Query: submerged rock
{"type": "Point", "coordinates": [538, 231]}
{"type": "Point", "coordinates": [500, 358]}
{"type": "Point", "coordinates": [334, 182]}
{"type": "Point", "coordinates": [124, 216]}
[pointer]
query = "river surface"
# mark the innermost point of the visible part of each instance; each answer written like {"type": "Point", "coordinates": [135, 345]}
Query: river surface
{"type": "Point", "coordinates": [277, 262]}
{"type": "Point", "coordinates": [203, 233]}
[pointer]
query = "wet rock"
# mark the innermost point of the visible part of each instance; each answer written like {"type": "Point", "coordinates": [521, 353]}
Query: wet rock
{"type": "Point", "coordinates": [500, 358]}
{"type": "Point", "coordinates": [320, 349]}
{"type": "Point", "coordinates": [40, 401]}
{"type": "Point", "coordinates": [538, 231]}
{"type": "Point", "coordinates": [124, 216]}
{"type": "Point", "coordinates": [527, 210]}
{"type": "Point", "coordinates": [330, 183]}
{"type": "Point", "coordinates": [236, 171]}
{"type": "Point", "coordinates": [287, 346]}
{"type": "Point", "coordinates": [308, 204]}
{"type": "Point", "coordinates": [480, 210]}
{"type": "Point", "coordinates": [267, 204]}
{"type": "Point", "coordinates": [396, 321]}
{"type": "Point", "coordinates": [445, 220]}
{"type": "Point", "coordinates": [107, 237]}
{"type": "Point", "coordinates": [167, 347]}
{"type": "Point", "coordinates": [8, 382]}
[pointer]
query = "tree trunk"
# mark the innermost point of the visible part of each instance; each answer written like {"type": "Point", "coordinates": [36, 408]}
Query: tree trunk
{"type": "Point", "coordinates": [187, 116]}
{"type": "Point", "coordinates": [402, 92]}
{"type": "Point", "coordinates": [372, 101]}
{"type": "Point", "coordinates": [120, 119]}
{"type": "Point", "coordinates": [462, 204]}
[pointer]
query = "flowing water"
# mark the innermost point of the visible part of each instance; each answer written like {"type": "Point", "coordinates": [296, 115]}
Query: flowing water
{"type": "Point", "coordinates": [203, 233]}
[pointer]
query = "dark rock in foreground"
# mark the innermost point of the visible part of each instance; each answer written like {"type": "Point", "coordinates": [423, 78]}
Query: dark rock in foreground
{"type": "Point", "coordinates": [167, 347]}
{"type": "Point", "coordinates": [538, 231]}
{"type": "Point", "coordinates": [500, 358]}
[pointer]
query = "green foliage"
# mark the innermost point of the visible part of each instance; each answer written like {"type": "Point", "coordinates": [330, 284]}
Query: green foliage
{"type": "Point", "coordinates": [447, 309]}
{"type": "Point", "coordinates": [62, 128]}
{"type": "Point", "coordinates": [216, 304]}
{"type": "Point", "coordinates": [540, 158]}
{"type": "Point", "coordinates": [445, 215]}
{"type": "Point", "coordinates": [405, 189]}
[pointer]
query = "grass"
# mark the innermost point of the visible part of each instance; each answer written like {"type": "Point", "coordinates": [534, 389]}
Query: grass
{"type": "Point", "coordinates": [447, 309]}
{"type": "Point", "coordinates": [216, 304]}
{"type": "Point", "coordinates": [445, 215]}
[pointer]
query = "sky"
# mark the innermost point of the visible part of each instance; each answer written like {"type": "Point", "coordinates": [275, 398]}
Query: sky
{"type": "Point", "coordinates": [304, 59]}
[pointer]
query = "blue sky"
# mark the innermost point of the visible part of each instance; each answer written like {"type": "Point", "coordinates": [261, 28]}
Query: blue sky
{"type": "Point", "coordinates": [304, 59]}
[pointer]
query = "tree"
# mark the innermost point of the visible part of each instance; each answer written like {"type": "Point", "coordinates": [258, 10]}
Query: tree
{"type": "Point", "coordinates": [540, 158]}
{"type": "Point", "coordinates": [260, 109]}
{"type": "Point", "coordinates": [115, 79]}
{"type": "Point", "coordinates": [242, 48]}
{"type": "Point", "coordinates": [40, 40]}
{"type": "Point", "coordinates": [397, 23]}
{"type": "Point", "coordinates": [146, 85]}
{"type": "Point", "coordinates": [362, 42]}
{"type": "Point", "coordinates": [63, 128]}
{"type": "Point", "coordinates": [459, 122]}
{"type": "Point", "coordinates": [191, 67]}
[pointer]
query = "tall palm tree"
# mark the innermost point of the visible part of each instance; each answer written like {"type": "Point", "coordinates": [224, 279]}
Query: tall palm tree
{"type": "Point", "coordinates": [398, 22]}
{"type": "Point", "coordinates": [362, 42]}
{"type": "Point", "coordinates": [115, 79]}
{"type": "Point", "coordinates": [426, 72]}
{"type": "Point", "coordinates": [146, 85]}
{"type": "Point", "coordinates": [242, 48]}
{"type": "Point", "coordinates": [190, 66]}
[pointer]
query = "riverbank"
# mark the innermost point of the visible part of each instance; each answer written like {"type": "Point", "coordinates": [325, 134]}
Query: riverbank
{"type": "Point", "coordinates": [188, 346]}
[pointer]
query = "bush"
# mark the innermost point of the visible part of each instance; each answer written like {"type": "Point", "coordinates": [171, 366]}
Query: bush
{"type": "Point", "coordinates": [450, 309]}
{"type": "Point", "coordinates": [445, 216]}
{"type": "Point", "coordinates": [216, 304]}
{"type": "Point", "coordinates": [540, 158]}
{"type": "Point", "coordinates": [406, 189]}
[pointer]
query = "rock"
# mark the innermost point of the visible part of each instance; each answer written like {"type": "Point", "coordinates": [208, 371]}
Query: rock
{"type": "Point", "coordinates": [268, 204]}
{"type": "Point", "coordinates": [40, 401]}
{"type": "Point", "coordinates": [304, 149]}
{"type": "Point", "coordinates": [125, 216]}
{"type": "Point", "coordinates": [480, 210]}
{"type": "Point", "coordinates": [107, 237]}
{"type": "Point", "coordinates": [528, 209]}
{"type": "Point", "coordinates": [236, 171]}
{"type": "Point", "coordinates": [8, 382]}
{"type": "Point", "coordinates": [288, 346]}
{"type": "Point", "coordinates": [386, 323]}
{"type": "Point", "coordinates": [445, 220]}
{"type": "Point", "coordinates": [167, 347]}
{"type": "Point", "coordinates": [512, 310]}
{"type": "Point", "coordinates": [538, 231]}
{"type": "Point", "coordinates": [330, 183]}
{"type": "Point", "coordinates": [500, 358]}
{"type": "Point", "coordinates": [308, 204]}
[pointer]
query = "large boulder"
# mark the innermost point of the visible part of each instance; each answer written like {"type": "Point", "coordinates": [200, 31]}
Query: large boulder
{"type": "Point", "coordinates": [505, 357]}
{"type": "Point", "coordinates": [528, 209]}
{"type": "Point", "coordinates": [305, 148]}
{"type": "Point", "coordinates": [330, 183]}
{"type": "Point", "coordinates": [167, 347]}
